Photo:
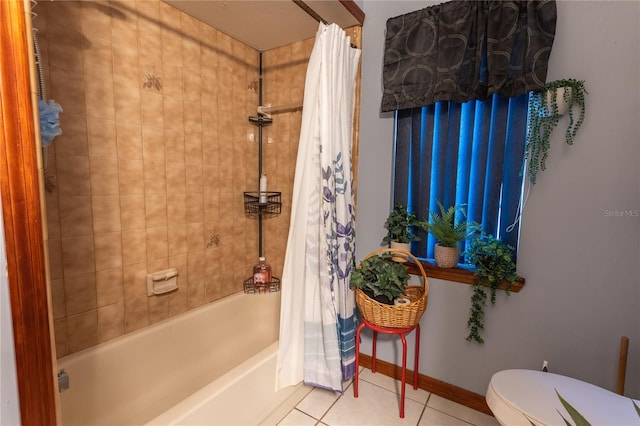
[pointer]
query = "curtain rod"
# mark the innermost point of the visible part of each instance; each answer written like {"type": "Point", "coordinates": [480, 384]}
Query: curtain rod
{"type": "Point", "coordinates": [302, 5]}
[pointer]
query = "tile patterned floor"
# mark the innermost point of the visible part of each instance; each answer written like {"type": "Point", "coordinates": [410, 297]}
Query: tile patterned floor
{"type": "Point", "coordinates": [377, 404]}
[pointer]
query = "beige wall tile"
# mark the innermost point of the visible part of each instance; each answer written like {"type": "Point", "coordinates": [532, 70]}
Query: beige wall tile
{"type": "Point", "coordinates": [68, 89]}
{"type": "Point", "coordinates": [53, 216]}
{"type": "Point", "coordinates": [179, 301]}
{"type": "Point", "coordinates": [109, 286]}
{"type": "Point", "coordinates": [195, 208]}
{"type": "Point", "coordinates": [177, 209]}
{"type": "Point", "coordinates": [126, 67]}
{"type": "Point", "coordinates": [127, 102]}
{"type": "Point", "coordinates": [170, 18]}
{"type": "Point", "coordinates": [108, 251]}
{"type": "Point", "coordinates": [57, 299]}
{"type": "Point", "coordinates": [158, 308]}
{"type": "Point", "coordinates": [73, 140]}
{"type": "Point", "coordinates": [211, 206]}
{"type": "Point", "coordinates": [196, 265]}
{"type": "Point", "coordinates": [135, 280]}
{"type": "Point", "coordinates": [131, 177]}
{"type": "Point", "coordinates": [174, 145]}
{"type": "Point", "coordinates": [104, 176]}
{"type": "Point", "coordinates": [177, 240]}
{"type": "Point", "coordinates": [176, 178]}
{"type": "Point", "coordinates": [66, 15]}
{"type": "Point", "coordinates": [73, 175]}
{"type": "Point", "coordinates": [155, 177]}
{"type": "Point", "coordinates": [124, 32]}
{"type": "Point", "coordinates": [158, 264]}
{"type": "Point", "coordinates": [153, 144]}
{"type": "Point", "coordinates": [134, 247]}
{"type": "Point", "coordinates": [196, 293]}
{"type": "Point", "coordinates": [102, 134]}
{"type": "Point", "coordinates": [173, 113]}
{"type": "Point", "coordinates": [195, 237]}
{"type": "Point", "coordinates": [110, 321]}
{"type": "Point", "coordinates": [181, 264]}
{"type": "Point", "coordinates": [129, 138]}
{"type": "Point", "coordinates": [132, 212]}
{"type": "Point", "coordinates": [95, 21]}
{"type": "Point", "coordinates": [152, 110]}
{"type": "Point", "coordinates": [212, 260]}
{"type": "Point", "coordinates": [194, 178]}
{"type": "Point", "coordinates": [60, 331]}
{"type": "Point", "coordinates": [106, 214]}
{"type": "Point", "coordinates": [136, 313]}
{"type": "Point", "coordinates": [197, 117]}
{"type": "Point", "coordinates": [99, 97]}
{"type": "Point", "coordinates": [212, 287]}
{"type": "Point", "coordinates": [97, 57]}
{"type": "Point", "coordinates": [192, 146]}
{"type": "Point", "coordinates": [55, 258]}
{"type": "Point", "coordinates": [77, 256]}
{"type": "Point", "coordinates": [82, 330]}
{"type": "Point", "coordinates": [156, 210]}
{"type": "Point", "coordinates": [65, 52]}
{"type": "Point", "coordinates": [172, 81]}
{"type": "Point", "coordinates": [157, 243]}
{"type": "Point", "coordinates": [171, 48]}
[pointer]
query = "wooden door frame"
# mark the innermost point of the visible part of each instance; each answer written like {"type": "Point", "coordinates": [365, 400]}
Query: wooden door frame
{"type": "Point", "coordinates": [23, 228]}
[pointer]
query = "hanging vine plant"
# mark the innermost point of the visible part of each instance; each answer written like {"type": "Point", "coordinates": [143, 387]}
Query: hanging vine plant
{"type": "Point", "coordinates": [544, 115]}
{"type": "Point", "coordinates": [494, 264]}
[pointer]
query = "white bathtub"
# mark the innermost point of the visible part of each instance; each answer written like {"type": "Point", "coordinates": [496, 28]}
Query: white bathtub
{"type": "Point", "coordinates": [137, 377]}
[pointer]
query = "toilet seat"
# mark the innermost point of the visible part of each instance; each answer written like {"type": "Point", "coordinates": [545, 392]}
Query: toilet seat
{"type": "Point", "coordinates": [523, 397]}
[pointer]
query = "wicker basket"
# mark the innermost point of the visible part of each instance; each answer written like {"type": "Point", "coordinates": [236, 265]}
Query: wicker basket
{"type": "Point", "coordinates": [396, 316]}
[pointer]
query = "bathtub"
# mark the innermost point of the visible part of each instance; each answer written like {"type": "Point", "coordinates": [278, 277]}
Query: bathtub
{"type": "Point", "coordinates": [170, 366]}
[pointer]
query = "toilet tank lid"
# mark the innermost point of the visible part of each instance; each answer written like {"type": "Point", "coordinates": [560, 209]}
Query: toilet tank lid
{"type": "Point", "coordinates": [534, 394]}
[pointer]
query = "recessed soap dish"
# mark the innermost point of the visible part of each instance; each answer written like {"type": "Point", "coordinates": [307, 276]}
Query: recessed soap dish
{"type": "Point", "coordinates": [162, 282]}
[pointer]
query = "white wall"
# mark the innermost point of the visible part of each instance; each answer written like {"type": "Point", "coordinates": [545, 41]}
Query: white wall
{"type": "Point", "coordinates": [582, 265]}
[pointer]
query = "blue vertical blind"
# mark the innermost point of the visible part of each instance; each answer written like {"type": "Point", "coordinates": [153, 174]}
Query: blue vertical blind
{"type": "Point", "coordinates": [467, 154]}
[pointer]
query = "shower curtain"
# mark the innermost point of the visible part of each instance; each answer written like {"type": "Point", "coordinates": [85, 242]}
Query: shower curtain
{"type": "Point", "coordinates": [317, 316]}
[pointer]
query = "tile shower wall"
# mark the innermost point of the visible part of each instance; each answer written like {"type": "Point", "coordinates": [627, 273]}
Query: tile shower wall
{"type": "Point", "coordinates": [150, 170]}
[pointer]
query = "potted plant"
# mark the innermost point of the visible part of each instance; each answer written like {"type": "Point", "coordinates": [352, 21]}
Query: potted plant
{"type": "Point", "coordinates": [494, 264]}
{"type": "Point", "coordinates": [545, 109]}
{"type": "Point", "coordinates": [380, 278]}
{"type": "Point", "coordinates": [401, 226]}
{"type": "Point", "coordinates": [449, 234]}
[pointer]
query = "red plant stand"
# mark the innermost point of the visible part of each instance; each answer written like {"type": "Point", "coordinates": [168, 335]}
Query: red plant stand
{"type": "Point", "coordinates": [389, 330]}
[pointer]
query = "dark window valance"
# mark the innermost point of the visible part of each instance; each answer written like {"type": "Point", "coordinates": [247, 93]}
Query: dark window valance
{"type": "Point", "coordinates": [463, 50]}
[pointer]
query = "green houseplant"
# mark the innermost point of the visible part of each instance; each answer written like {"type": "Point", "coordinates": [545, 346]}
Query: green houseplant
{"type": "Point", "coordinates": [381, 278]}
{"type": "Point", "coordinates": [401, 226]}
{"type": "Point", "coordinates": [494, 264]}
{"type": "Point", "coordinates": [449, 234]}
{"type": "Point", "coordinates": [545, 109]}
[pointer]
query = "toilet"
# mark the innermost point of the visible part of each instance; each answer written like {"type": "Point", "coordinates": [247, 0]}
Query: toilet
{"type": "Point", "coordinates": [526, 397]}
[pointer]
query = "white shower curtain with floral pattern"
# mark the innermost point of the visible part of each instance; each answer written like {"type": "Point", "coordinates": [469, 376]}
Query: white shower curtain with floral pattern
{"type": "Point", "coordinates": [317, 317]}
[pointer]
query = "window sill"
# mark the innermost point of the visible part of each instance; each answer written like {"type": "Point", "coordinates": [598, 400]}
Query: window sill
{"type": "Point", "coordinates": [461, 274]}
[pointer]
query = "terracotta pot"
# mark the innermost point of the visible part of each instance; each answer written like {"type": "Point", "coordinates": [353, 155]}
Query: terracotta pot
{"type": "Point", "coordinates": [446, 257]}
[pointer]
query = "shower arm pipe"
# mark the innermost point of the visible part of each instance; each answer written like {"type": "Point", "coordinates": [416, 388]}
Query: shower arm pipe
{"type": "Point", "coordinates": [267, 110]}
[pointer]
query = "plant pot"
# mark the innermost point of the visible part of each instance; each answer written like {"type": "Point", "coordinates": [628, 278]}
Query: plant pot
{"type": "Point", "coordinates": [446, 257]}
{"type": "Point", "coordinates": [400, 246]}
{"type": "Point", "coordinates": [563, 107]}
{"type": "Point", "coordinates": [379, 298]}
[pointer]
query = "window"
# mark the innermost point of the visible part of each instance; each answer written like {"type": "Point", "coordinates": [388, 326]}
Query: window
{"type": "Point", "coordinates": [463, 154]}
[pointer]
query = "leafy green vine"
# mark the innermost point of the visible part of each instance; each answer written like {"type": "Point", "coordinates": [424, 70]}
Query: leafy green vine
{"type": "Point", "coordinates": [494, 264]}
{"type": "Point", "coordinates": [543, 118]}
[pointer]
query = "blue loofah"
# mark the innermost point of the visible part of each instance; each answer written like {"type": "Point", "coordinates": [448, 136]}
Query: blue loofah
{"type": "Point", "coordinates": [49, 121]}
